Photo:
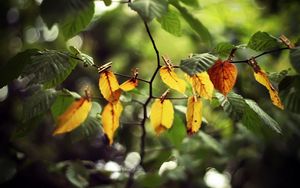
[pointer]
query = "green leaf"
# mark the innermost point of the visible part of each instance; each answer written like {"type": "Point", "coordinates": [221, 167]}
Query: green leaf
{"type": "Point", "coordinates": [197, 63]}
{"type": "Point", "coordinates": [177, 132]}
{"type": "Point", "coordinates": [86, 59]}
{"type": "Point", "coordinates": [107, 2]}
{"type": "Point", "coordinates": [233, 104]}
{"type": "Point", "coordinates": [211, 142]}
{"type": "Point", "coordinates": [295, 58]}
{"type": "Point", "coordinates": [149, 9]}
{"type": "Point", "coordinates": [78, 175]}
{"type": "Point", "coordinates": [194, 23]}
{"type": "Point", "coordinates": [62, 102]}
{"type": "Point", "coordinates": [14, 67]}
{"type": "Point", "coordinates": [262, 41]}
{"type": "Point", "coordinates": [90, 127]}
{"type": "Point", "coordinates": [192, 3]}
{"type": "Point", "coordinates": [289, 89]}
{"type": "Point", "coordinates": [223, 49]}
{"type": "Point", "coordinates": [49, 67]}
{"type": "Point", "coordinates": [277, 77]}
{"type": "Point", "coordinates": [261, 116]}
{"type": "Point", "coordinates": [150, 180]}
{"type": "Point", "coordinates": [38, 103]}
{"type": "Point", "coordinates": [171, 23]}
{"type": "Point", "coordinates": [77, 20]}
{"type": "Point", "coordinates": [72, 17]}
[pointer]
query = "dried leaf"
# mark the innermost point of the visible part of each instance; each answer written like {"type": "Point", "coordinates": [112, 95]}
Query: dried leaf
{"type": "Point", "coordinates": [161, 115]}
{"type": "Point", "coordinates": [110, 119]}
{"type": "Point", "coordinates": [109, 86]}
{"type": "Point", "coordinates": [223, 75]}
{"type": "Point", "coordinates": [202, 85]}
{"type": "Point", "coordinates": [170, 78]}
{"type": "Point", "coordinates": [262, 78]}
{"type": "Point", "coordinates": [194, 114]}
{"type": "Point", "coordinates": [73, 116]}
{"type": "Point", "coordinates": [129, 84]}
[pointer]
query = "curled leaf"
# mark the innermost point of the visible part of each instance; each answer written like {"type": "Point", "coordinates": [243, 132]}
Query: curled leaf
{"type": "Point", "coordinates": [194, 114]}
{"type": "Point", "coordinates": [161, 115]}
{"type": "Point", "coordinates": [170, 78]}
{"type": "Point", "coordinates": [223, 75]}
{"type": "Point", "coordinates": [73, 116]}
{"type": "Point", "coordinates": [110, 119]}
{"type": "Point", "coordinates": [202, 85]}
{"type": "Point", "coordinates": [262, 78]}
{"type": "Point", "coordinates": [109, 86]}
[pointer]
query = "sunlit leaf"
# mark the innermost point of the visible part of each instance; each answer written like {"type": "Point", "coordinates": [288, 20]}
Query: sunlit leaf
{"type": "Point", "coordinates": [129, 85]}
{"type": "Point", "coordinates": [170, 78]}
{"type": "Point", "coordinates": [149, 9]}
{"type": "Point", "coordinates": [76, 114]}
{"type": "Point", "coordinates": [110, 119]}
{"type": "Point", "coordinates": [262, 41]}
{"type": "Point", "coordinates": [161, 115]}
{"type": "Point", "coordinates": [194, 114]}
{"type": "Point", "coordinates": [109, 86]}
{"type": "Point", "coordinates": [197, 63]}
{"type": "Point", "coordinates": [223, 75]}
{"type": "Point", "coordinates": [202, 85]}
{"type": "Point", "coordinates": [262, 78]}
{"type": "Point", "coordinates": [171, 23]}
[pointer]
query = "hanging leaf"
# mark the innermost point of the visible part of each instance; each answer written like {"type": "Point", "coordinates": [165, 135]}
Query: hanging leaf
{"type": "Point", "coordinates": [197, 63]}
{"type": "Point", "coordinates": [161, 115]}
{"type": "Point", "coordinates": [202, 85]}
{"type": "Point", "coordinates": [262, 41]}
{"type": "Point", "coordinates": [223, 75]}
{"type": "Point", "coordinates": [149, 9]}
{"type": "Point", "coordinates": [73, 116]}
{"type": "Point", "coordinates": [109, 86]}
{"type": "Point", "coordinates": [194, 114]}
{"type": "Point", "coordinates": [262, 78]}
{"type": "Point", "coordinates": [49, 67]}
{"type": "Point", "coordinates": [110, 119]}
{"type": "Point", "coordinates": [170, 22]}
{"type": "Point", "coordinates": [129, 84]}
{"type": "Point", "coordinates": [170, 78]}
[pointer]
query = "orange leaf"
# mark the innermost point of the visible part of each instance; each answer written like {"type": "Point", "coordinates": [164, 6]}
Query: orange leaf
{"type": "Point", "coordinates": [129, 84]}
{"type": "Point", "coordinates": [110, 119]}
{"type": "Point", "coordinates": [202, 84]}
{"type": "Point", "coordinates": [223, 75]}
{"type": "Point", "coordinates": [161, 115]}
{"type": "Point", "coordinates": [73, 116]}
{"type": "Point", "coordinates": [170, 78]}
{"type": "Point", "coordinates": [109, 86]}
{"type": "Point", "coordinates": [262, 78]}
{"type": "Point", "coordinates": [194, 114]}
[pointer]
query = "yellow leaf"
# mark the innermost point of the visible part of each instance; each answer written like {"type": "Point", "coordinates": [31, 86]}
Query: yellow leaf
{"type": "Point", "coordinates": [202, 85]}
{"type": "Point", "coordinates": [194, 115]}
{"type": "Point", "coordinates": [170, 78]}
{"type": "Point", "coordinates": [73, 116]}
{"type": "Point", "coordinates": [161, 115]}
{"type": "Point", "coordinates": [262, 78]}
{"type": "Point", "coordinates": [129, 84]}
{"type": "Point", "coordinates": [109, 86]}
{"type": "Point", "coordinates": [110, 119]}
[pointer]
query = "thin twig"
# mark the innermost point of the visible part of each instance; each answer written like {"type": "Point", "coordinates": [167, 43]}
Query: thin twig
{"type": "Point", "coordinates": [259, 55]}
{"type": "Point", "coordinates": [126, 76]}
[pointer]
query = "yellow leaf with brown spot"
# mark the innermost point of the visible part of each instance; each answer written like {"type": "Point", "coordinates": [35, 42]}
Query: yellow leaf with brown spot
{"type": "Point", "coordinates": [194, 115]}
{"type": "Point", "coordinates": [129, 84]}
{"type": "Point", "coordinates": [170, 78]}
{"type": "Point", "coordinates": [202, 85]}
{"type": "Point", "coordinates": [262, 78]}
{"type": "Point", "coordinates": [223, 75]}
{"type": "Point", "coordinates": [111, 119]}
{"type": "Point", "coordinates": [161, 115]}
{"type": "Point", "coordinates": [76, 114]}
{"type": "Point", "coordinates": [109, 86]}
